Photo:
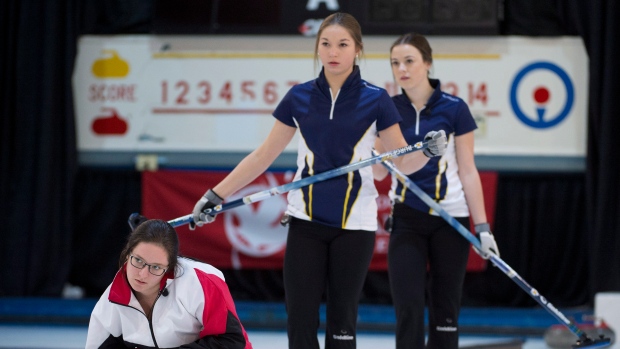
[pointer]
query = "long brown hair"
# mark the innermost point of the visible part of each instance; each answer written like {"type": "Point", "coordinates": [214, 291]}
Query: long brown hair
{"type": "Point", "coordinates": [418, 41]}
{"type": "Point", "coordinates": [346, 21]}
{"type": "Point", "coordinates": [158, 232]}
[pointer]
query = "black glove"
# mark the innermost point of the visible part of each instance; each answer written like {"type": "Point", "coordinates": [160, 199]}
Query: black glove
{"type": "Point", "coordinates": [207, 201]}
{"type": "Point", "coordinates": [487, 241]}
{"type": "Point", "coordinates": [135, 219]}
{"type": "Point", "coordinates": [437, 143]}
{"type": "Point", "coordinates": [286, 219]}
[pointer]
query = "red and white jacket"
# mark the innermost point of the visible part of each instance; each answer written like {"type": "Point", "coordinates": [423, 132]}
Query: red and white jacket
{"type": "Point", "coordinates": [194, 309]}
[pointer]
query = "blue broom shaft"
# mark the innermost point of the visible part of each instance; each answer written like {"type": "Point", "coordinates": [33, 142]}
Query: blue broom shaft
{"type": "Point", "coordinates": [304, 182]}
{"type": "Point", "coordinates": [503, 266]}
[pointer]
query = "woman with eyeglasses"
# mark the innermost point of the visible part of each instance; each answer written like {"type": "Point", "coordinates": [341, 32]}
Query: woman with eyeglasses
{"type": "Point", "coordinates": [160, 300]}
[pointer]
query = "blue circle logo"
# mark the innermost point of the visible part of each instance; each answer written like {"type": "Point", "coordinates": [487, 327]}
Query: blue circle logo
{"type": "Point", "coordinates": [538, 116]}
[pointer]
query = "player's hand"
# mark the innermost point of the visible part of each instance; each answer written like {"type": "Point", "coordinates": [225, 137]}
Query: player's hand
{"type": "Point", "coordinates": [487, 241]}
{"type": "Point", "coordinates": [437, 143]}
{"type": "Point", "coordinates": [207, 201]}
{"type": "Point", "coordinates": [135, 219]}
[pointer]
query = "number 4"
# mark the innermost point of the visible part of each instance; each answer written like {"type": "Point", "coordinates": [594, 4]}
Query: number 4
{"type": "Point", "coordinates": [226, 92]}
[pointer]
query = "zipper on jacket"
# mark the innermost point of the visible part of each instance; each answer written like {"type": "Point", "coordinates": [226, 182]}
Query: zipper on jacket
{"type": "Point", "coordinates": [417, 118]}
{"type": "Point", "coordinates": [331, 112]}
{"type": "Point", "coordinates": [151, 321]}
{"type": "Point", "coordinates": [147, 318]}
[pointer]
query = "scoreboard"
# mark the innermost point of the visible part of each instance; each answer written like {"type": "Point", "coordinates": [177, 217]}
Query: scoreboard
{"type": "Point", "coordinates": [302, 17]}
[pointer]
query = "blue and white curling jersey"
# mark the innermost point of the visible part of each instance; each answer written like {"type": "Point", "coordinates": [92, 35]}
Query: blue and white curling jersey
{"type": "Point", "coordinates": [336, 133]}
{"type": "Point", "coordinates": [439, 178]}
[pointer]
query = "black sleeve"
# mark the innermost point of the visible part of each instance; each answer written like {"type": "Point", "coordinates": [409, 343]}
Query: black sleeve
{"type": "Point", "coordinates": [232, 339]}
{"type": "Point", "coordinates": [113, 343]}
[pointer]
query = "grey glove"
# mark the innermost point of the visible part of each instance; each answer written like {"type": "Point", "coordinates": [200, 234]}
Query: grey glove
{"type": "Point", "coordinates": [207, 201]}
{"type": "Point", "coordinates": [437, 143]}
{"type": "Point", "coordinates": [487, 241]}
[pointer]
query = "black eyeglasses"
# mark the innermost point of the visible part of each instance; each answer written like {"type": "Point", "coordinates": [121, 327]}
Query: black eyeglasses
{"type": "Point", "coordinates": [153, 269]}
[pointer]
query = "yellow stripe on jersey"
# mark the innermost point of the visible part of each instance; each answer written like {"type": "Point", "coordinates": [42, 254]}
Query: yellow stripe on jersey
{"type": "Point", "coordinates": [351, 175]}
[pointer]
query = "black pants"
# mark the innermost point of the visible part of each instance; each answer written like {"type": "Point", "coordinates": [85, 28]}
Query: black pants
{"type": "Point", "coordinates": [426, 249]}
{"type": "Point", "coordinates": [320, 258]}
